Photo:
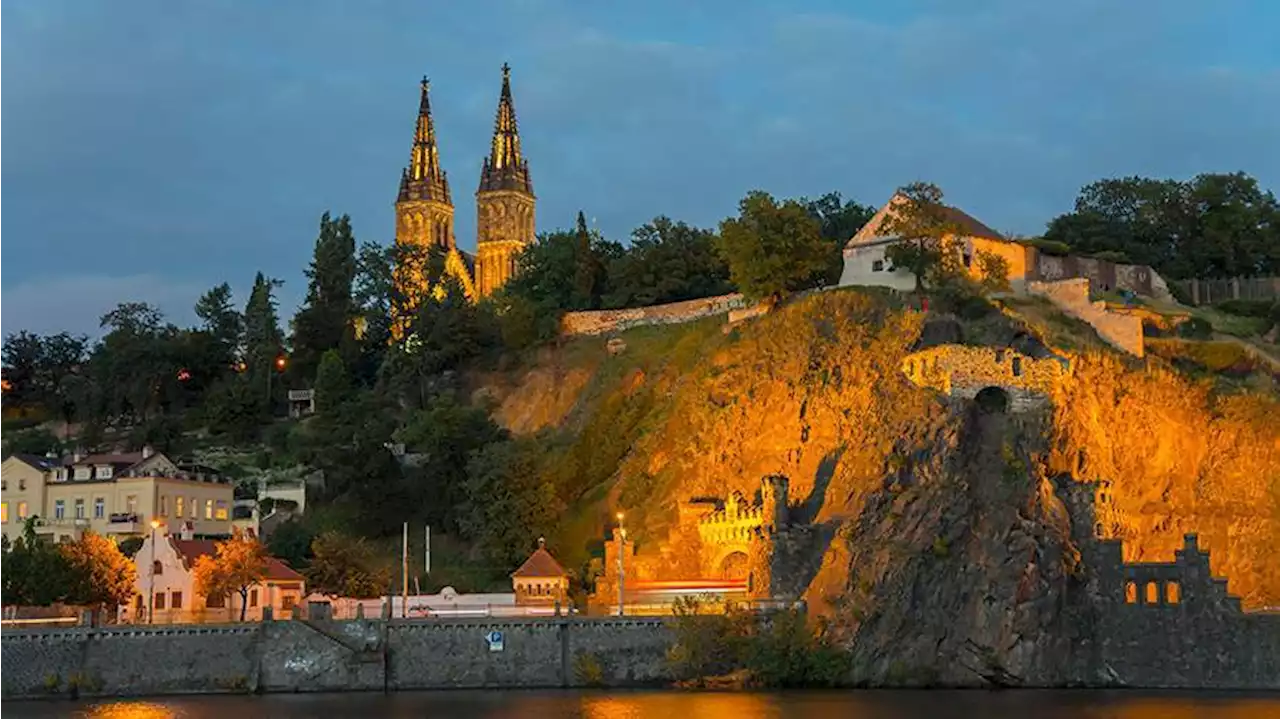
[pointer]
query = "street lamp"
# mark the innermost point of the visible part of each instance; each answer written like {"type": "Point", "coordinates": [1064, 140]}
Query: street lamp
{"type": "Point", "coordinates": [622, 543]}
{"type": "Point", "coordinates": [278, 366]}
{"type": "Point", "coordinates": [151, 574]}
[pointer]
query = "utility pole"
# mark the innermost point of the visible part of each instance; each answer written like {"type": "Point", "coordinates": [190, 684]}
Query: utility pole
{"type": "Point", "coordinates": [404, 574]}
{"type": "Point", "coordinates": [427, 562]}
{"type": "Point", "coordinates": [622, 543]}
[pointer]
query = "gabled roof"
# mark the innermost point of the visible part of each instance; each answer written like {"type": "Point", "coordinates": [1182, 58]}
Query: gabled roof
{"type": "Point", "coordinates": [969, 225]}
{"type": "Point", "coordinates": [189, 550]}
{"type": "Point", "coordinates": [540, 564]}
{"type": "Point", "coordinates": [36, 461]}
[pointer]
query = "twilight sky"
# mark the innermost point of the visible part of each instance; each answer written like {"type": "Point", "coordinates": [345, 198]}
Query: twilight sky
{"type": "Point", "coordinates": [159, 147]}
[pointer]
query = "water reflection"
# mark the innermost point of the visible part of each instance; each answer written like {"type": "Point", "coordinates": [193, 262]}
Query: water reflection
{"type": "Point", "coordinates": [679, 705]}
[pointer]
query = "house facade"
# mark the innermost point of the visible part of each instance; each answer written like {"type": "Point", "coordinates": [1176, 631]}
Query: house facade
{"type": "Point", "coordinates": [22, 490]}
{"type": "Point", "coordinates": [165, 574]}
{"type": "Point", "coordinates": [541, 580]}
{"type": "Point", "coordinates": [115, 495]}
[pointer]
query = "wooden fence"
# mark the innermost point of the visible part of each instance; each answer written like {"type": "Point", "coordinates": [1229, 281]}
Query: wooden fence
{"type": "Point", "coordinates": [1207, 292]}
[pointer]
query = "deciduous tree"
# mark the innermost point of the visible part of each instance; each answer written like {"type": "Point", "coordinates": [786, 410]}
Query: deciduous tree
{"type": "Point", "coordinates": [772, 248]}
{"type": "Point", "coordinates": [236, 565]}
{"type": "Point", "coordinates": [346, 566]}
{"type": "Point", "coordinates": [101, 576]}
{"type": "Point", "coordinates": [921, 222]}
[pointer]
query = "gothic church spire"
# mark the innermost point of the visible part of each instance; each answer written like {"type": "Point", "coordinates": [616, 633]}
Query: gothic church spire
{"type": "Point", "coordinates": [423, 179]}
{"type": "Point", "coordinates": [505, 168]}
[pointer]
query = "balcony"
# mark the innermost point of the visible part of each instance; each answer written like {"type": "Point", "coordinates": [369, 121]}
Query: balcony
{"type": "Point", "coordinates": [124, 523]}
{"type": "Point", "coordinates": [52, 524]}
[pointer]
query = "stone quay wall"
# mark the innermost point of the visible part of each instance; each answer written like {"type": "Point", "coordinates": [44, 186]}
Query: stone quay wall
{"type": "Point", "coordinates": [604, 321]}
{"type": "Point", "coordinates": [362, 655]}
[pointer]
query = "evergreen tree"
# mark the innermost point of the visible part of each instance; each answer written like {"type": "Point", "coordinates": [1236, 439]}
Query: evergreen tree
{"type": "Point", "coordinates": [588, 276]}
{"type": "Point", "coordinates": [326, 320]}
{"type": "Point", "coordinates": [222, 323]}
{"type": "Point", "coordinates": [263, 341]}
{"type": "Point", "coordinates": [333, 386]}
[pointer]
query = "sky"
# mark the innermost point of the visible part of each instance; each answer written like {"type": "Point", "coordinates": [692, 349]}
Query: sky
{"type": "Point", "coordinates": [155, 148]}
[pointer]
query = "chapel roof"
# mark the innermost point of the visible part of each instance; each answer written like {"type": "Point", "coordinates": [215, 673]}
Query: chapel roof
{"type": "Point", "coordinates": [540, 564]}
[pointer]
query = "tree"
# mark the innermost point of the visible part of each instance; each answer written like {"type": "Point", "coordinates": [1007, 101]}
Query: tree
{"type": "Point", "coordinates": [263, 342]}
{"type": "Point", "coordinates": [922, 224]}
{"type": "Point", "coordinates": [333, 387]}
{"type": "Point", "coordinates": [589, 270]}
{"type": "Point", "coordinates": [34, 440]}
{"type": "Point", "coordinates": [35, 367]}
{"type": "Point", "coordinates": [101, 576]}
{"type": "Point", "coordinates": [346, 566]}
{"type": "Point", "coordinates": [136, 365]}
{"type": "Point", "coordinates": [994, 271]}
{"type": "Point", "coordinates": [839, 221]}
{"type": "Point", "coordinates": [291, 542]}
{"type": "Point", "coordinates": [35, 573]}
{"type": "Point", "coordinates": [326, 319]}
{"type": "Point", "coordinates": [233, 408]}
{"type": "Point", "coordinates": [772, 249]}
{"type": "Point", "coordinates": [222, 324]}
{"type": "Point", "coordinates": [667, 262]}
{"type": "Point", "coordinates": [508, 501]}
{"type": "Point", "coordinates": [236, 565]}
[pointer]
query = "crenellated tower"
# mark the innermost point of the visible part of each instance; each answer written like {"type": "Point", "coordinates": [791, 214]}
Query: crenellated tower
{"type": "Point", "coordinates": [504, 201]}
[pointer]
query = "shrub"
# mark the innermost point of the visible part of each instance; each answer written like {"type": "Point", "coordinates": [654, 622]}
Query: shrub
{"type": "Point", "coordinates": [587, 670]}
{"type": "Point", "coordinates": [1246, 308]}
{"type": "Point", "coordinates": [1111, 256]}
{"type": "Point", "coordinates": [1050, 247]}
{"type": "Point", "coordinates": [1195, 328]}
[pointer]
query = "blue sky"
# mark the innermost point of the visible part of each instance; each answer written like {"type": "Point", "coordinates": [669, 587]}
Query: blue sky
{"type": "Point", "coordinates": [155, 148]}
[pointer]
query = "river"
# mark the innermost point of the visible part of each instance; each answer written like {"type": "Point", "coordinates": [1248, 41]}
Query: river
{"type": "Point", "coordinates": [679, 705]}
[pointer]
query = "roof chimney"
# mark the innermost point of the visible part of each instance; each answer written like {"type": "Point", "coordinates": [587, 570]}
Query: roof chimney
{"type": "Point", "coordinates": [147, 451]}
{"type": "Point", "coordinates": [77, 454]}
{"type": "Point", "coordinates": [188, 530]}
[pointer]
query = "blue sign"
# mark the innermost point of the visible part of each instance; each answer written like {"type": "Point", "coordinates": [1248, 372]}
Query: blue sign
{"type": "Point", "coordinates": [495, 640]}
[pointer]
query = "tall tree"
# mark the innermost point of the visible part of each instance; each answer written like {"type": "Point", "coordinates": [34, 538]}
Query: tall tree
{"type": "Point", "coordinates": [667, 262]}
{"type": "Point", "coordinates": [921, 222]}
{"type": "Point", "coordinates": [263, 341]}
{"type": "Point", "coordinates": [772, 248]}
{"type": "Point", "coordinates": [222, 323]}
{"type": "Point", "coordinates": [346, 566]}
{"type": "Point", "coordinates": [508, 501]}
{"type": "Point", "coordinates": [589, 271]}
{"type": "Point", "coordinates": [136, 364]}
{"type": "Point", "coordinates": [101, 575]}
{"type": "Point", "coordinates": [326, 319]}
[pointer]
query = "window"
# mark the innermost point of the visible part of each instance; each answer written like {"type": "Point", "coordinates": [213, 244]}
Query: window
{"type": "Point", "coordinates": [195, 508]}
{"type": "Point", "coordinates": [4, 512]}
{"type": "Point", "coordinates": [221, 512]}
{"type": "Point", "coordinates": [287, 602]}
{"type": "Point", "coordinates": [22, 511]}
{"type": "Point", "coordinates": [208, 509]}
{"type": "Point", "coordinates": [22, 485]}
{"type": "Point", "coordinates": [157, 567]}
{"type": "Point", "coordinates": [59, 509]}
{"type": "Point", "coordinates": [159, 600]}
{"type": "Point", "coordinates": [1130, 593]}
{"type": "Point", "coordinates": [253, 597]}
{"type": "Point", "coordinates": [1153, 593]}
{"type": "Point", "coordinates": [61, 474]}
{"type": "Point", "coordinates": [1172, 593]}
{"type": "Point", "coordinates": [1017, 366]}
{"type": "Point", "coordinates": [79, 508]}
{"type": "Point", "coordinates": [99, 508]}
{"type": "Point", "coordinates": [177, 507]}
{"type": "Point", "coordinates": [84, 472]}
{"type": "Point", "coordinates": [164, 506]}
{"type": "Point", "coordinates": [104, 471]}
{"type": "Point", "coordinates": [176, 601]}
{"type": "Point", "coordinates": [131, 504]}
{"type": "Point", "coordinates": [877, 266]}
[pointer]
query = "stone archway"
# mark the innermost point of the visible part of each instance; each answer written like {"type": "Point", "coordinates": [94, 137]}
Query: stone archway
{"type": "Point", "coordinates": [992, 400]}
{"type": "Point", "coordinates": [735, 565]}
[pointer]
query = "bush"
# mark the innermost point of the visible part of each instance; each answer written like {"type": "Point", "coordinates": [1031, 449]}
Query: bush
{"type": "Point", "coordinates": [1247, 308]}
{"type": "Point", "coordinates": [1195, 328]}
{"type": "Point", "coordinates": [587, 670]}
{"type": "Point", "coordinates": [1050, 247]}
{"type": "Point", "coordinates": [1111, 256]}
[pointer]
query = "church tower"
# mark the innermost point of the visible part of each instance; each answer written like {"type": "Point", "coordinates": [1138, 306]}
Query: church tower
{"type": "Point", "coordinates": [424, 209]}
{"type": "Point", "coordinates": [504, 202]}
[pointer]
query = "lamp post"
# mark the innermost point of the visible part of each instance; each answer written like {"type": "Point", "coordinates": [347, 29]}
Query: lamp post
{"type": "Point", "coordinates": [151, 573]}
{"type": "Point", "coordinates": [277, 366]}
{"type": "Point", "coordinates": [622, 543]}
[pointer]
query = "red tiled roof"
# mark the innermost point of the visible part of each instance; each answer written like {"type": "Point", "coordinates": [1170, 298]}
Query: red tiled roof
{"type": "Point", "coordinates": [191, 549]}
{"type": "Point", "coordinates": [540, 564]}
{"type": "Point", "coordinates": [126, 458]}
{"type": "Point", "coordinates": [969, 225]}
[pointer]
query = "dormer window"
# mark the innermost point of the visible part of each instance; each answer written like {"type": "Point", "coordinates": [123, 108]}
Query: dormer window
{"type": "Point", "coordinates": [84, 472]}
{"type": "Point", "coordinates": [61, 474]}
{"type": "Point", "coordinates": [104, 471]}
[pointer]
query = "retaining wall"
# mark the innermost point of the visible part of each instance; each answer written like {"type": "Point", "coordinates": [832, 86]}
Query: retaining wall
{"type": "Point", "coordinates": [1122, 331]}
{"type": "Point", "coordinates": [603, 321]}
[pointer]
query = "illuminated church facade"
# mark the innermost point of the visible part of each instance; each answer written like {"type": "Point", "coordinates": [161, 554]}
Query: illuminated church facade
{"type": "Point", "coordinates": [504, 204]}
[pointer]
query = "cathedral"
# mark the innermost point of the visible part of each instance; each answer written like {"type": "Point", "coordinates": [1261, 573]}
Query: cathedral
{"type": "Point", "coordinates": [504, 204]}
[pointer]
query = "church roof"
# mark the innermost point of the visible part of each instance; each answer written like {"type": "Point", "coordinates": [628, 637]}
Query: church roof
{"type": "Point", "coordinates": [969, 225]}
{"type": "Point", "coordinates": [540, 564]}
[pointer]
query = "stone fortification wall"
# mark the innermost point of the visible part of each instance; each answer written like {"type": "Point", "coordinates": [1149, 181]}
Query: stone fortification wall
{"type": "Point", "coordinates": [293, 656]}
{"type": "Point", "coordinates": [963, 371]}
{"type": "Point", "coordinates": [1122, 331]}
{"type": "Point", "coordinates": [1105, 275]}
{"type": "Point", "coordinates": [604, 321]}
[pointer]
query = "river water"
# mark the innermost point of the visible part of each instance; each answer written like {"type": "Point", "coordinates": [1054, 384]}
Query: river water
{"type": "Point", "coordinates": [679, 705]}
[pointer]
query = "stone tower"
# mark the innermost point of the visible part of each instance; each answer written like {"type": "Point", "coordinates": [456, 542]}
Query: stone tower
{"type": "Point", "coordinates": [504, 201]}
{"type": "Point", "coordinates": [774, 489]}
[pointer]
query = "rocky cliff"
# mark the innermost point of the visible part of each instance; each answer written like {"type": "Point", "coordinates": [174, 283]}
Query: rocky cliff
{"type": "Point", "coordinates": [932, 535]}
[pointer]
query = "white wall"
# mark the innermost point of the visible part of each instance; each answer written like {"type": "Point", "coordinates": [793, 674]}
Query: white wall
{"type": "Point", "coordinates": [859, 269]}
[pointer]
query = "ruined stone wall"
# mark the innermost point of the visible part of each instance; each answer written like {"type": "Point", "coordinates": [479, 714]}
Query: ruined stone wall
{"type": "Point", "coordinates": [1105, 275]}
{"type": "Point", "coordinates": [603, 321]}
{"type": "Point", "coordinates": [1122, 331]}
{"type": "Point", "coordinates": [963, 371]}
